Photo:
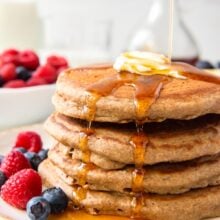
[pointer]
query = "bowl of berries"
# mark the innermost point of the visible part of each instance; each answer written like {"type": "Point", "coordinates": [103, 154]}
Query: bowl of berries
{"type": "Point", "coordinates": [26, 86]}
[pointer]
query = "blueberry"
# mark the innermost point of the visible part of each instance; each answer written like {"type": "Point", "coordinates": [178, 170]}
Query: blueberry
{"type": "Point", "coordinates": [43, 154]}
{"type": "Point", "coordinates": [3, 178]}
{"type": "Point", "coordinates": [23, 73]}
{"type": "Point", "coordinates": [203, 64]}
{"type": "Point", "coordinates": [21, 149]}
{"type": "Point", "coordinates": [57, 199]}
{"type": "Point", "coordinates": [38, 208]}
{"type": "Point", "coordinates": [34, 159]}
{"type": "Point", "coordinates": [1, 158]}
{"type": "Point", "coordinates": [1, 81]}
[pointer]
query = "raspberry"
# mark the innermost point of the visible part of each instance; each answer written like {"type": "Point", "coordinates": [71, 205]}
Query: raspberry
{"type": "Point", "coordinates": [29, 59]}
{"type": "Point", "coordinates": [21, 187]}
{"type": "Point", "coordinates": [7, 72]}
{"type": "Point", "coordinates": [17, 83]}
{"type": "Point", "coordinates": [14, 162]}
{"type": "Point", "coordinates": [57, 61]}
{"type": "Point", "coordinates": [10, 56]}
{"type": "Point", "coordinates": [35, 81]}
{"type": "Point", "coordinates": [46, 72]}
{"type": "Point", "coordinates": [29, 140]}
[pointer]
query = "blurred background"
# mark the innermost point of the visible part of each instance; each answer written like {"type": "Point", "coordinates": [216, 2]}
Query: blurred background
{"type": "Point", "coordinates": [91, 31]}
{"type": "Point", "coordinates": [98, 29]}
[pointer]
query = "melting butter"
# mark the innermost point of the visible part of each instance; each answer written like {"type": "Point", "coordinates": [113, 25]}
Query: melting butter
{"type": "Point", "coordinates": [145, 63]}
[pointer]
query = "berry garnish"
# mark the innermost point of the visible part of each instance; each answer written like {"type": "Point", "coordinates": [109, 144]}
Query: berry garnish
{"type": "Point", "coordinates": [29, 140]}
{"type": "Point", "coordinates": [57, 199]}
{"type": "Point", "coordinates": [7, 72]}
{"type": "Point", "coordinates": [14, 162]}
{"type": "Point", "coordinates": [34, 159]}
{"type": "Point", "coordinates": [203, 64]}
{"type": "Point", "coordinates": [10, 56]}
{"type": "Point", "coordinates": [20, 149]}
{"type": "Point", "coordinates": [47, 72]}
{"type": "Point", "coordinates": [29, 59]}
{"type": "Point", "coordinates": [38, 208]}
{"type": "Point", "coordinates": [43, 153]}
{"type": "Point", "coordinates": [21, 187]}
{"type": "Point", "coordinates": [17, 83]}
{"type": "Point", "coordinates": [36, 81]}
{"type": "Point", "coordinates": [23, 73]}
{"type": "Point", "coordinates": [57, 61]}
{"type": "Point", "coordinates": [3, 178]}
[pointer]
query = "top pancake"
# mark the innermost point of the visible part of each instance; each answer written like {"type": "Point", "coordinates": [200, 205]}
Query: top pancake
{"type": "Point", "coordinates": [179, 99]}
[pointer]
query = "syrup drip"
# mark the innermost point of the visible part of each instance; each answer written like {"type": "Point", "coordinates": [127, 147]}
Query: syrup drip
{"type": "Point", "coordinates": [79, 194]}
{"type": "Point", "coordinates": [147, 90]}
{"type": "Point", "coordinates": [82, 173]}
{"type": "Point", "coordinates": [83, 144]}
{"type": "Point", "coordinates": [89, 109]}
{"type": "Point", "coordinates": [80, 190]}
{"type": "Point", "coordinates": [136, 205]}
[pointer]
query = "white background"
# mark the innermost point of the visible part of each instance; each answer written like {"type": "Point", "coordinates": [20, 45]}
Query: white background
{"type": "Point", "coordinates": [62, 17]}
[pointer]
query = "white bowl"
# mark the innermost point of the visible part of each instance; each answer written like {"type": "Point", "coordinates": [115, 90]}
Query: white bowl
{"type": "Point", "coordinates": [25, 105]}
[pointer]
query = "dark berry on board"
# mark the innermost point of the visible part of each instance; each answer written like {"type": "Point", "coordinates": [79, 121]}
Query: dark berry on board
{"type": "Point", "coordinates": [23, 73]}
{"type": "Point", "coordinates": [38, 208]}
{"type": "Point", "coordinates": [3, 178]}
{"type": "Point", "coordinates": [218, 65]}
{"type": "Point", "coordinates": [203, 64]}
{"type": "Point", "coordinates": [34, 159]}
{"type": "Point", "coordinates": [43, 154]}
{"type": "Point", "coordinates": [57, 199]}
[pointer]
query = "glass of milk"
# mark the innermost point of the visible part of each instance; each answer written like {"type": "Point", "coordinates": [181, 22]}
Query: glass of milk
{"type": "Point", "coordinates": [20, 26]}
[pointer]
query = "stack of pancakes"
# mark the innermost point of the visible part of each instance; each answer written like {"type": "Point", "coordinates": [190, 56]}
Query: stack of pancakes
{"type": "Point", "coordinates": [168, 168]}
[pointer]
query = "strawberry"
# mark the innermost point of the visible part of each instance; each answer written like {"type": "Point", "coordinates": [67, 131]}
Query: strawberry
{"type": "Point", "coordinates": [21, 187]}
{"type": "Point", "coordinates": [14, 162]}
{"type": "Point", "coordinates": [57, 61]}
{"type": "Point", "coordinates": [7, 72]}
{"type": "Point", "coordinates": [29, 140]}
{"type": "Point", "coordinates": [29, 59]}
{"type": "Point", "coordinates": [47, 72]}
{"type": "Point", "coordinates": [17, 83]}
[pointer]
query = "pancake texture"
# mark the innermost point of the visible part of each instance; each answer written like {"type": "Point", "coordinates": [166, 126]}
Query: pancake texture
{"type": "Point", "coordinates": [98, 160]}
{"type": "Point", "coordinates": [179, 99]}
{"type": "Point", "coordinates": [193, 205]}
{"type": "Point", "coordinates": [162, 178]}
{"type": "Point", "coordinates": [168, 141]}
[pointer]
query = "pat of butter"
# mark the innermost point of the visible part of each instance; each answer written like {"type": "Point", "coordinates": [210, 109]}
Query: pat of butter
{"type": "Point", "coordinates": [145, 63]}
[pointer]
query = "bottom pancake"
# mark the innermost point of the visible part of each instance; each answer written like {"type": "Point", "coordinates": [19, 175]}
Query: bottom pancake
{"type": "Point", "coordinates": [193, 205]}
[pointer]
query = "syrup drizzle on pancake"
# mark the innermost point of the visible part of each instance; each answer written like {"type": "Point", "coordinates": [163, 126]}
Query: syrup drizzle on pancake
{"type": "Point", "coordinates": [146, 91]}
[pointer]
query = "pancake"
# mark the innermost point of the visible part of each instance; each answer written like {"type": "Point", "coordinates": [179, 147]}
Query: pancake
{"type": "Point", "coordinates": [100, 161]}
{"type": "Point", "coordinates": [179, 99]}
{"type": "Point", "coordinates": [193, 205]}
{"type": "Point", "coordinates": [162, 178]}
{"type": "Point", "coordinates": [169, 141]}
